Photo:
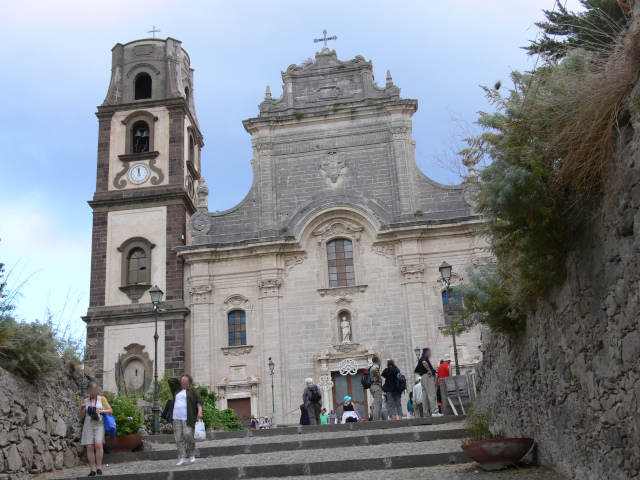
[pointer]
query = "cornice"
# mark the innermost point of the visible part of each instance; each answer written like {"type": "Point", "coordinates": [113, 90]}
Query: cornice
{"type": "Point", "coordinates": [102, 201]}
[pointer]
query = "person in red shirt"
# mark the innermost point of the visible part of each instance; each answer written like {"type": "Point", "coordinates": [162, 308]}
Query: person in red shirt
{"type": "Point", "coordinates": [444, 370]}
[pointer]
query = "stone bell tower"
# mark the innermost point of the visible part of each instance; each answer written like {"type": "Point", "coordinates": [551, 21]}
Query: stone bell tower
{"type": "Point", "coordinates": [148, 168]}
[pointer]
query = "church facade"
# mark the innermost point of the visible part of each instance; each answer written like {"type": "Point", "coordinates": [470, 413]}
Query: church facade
{"type": "Point", "coordinates": [331, 257]}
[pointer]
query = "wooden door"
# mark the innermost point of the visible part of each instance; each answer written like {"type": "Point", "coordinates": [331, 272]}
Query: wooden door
{"type": "Point", "coordinates": [242, 407]}
{"type": "Point", "coordinates": [349, 385]}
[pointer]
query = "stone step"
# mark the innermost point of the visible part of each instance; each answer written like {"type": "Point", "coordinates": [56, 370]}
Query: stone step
{"type": "Point", "coordinates": [306, 441]}
{"type": "Point", "coordinates": [299, 429]}
{"type": "Point", "coordinates": [334, 461]}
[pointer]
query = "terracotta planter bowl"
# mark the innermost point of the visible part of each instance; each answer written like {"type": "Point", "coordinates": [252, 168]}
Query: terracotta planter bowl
{"type": "Point", "coordinates": [122, 443]}
{"type": "Point", "coordinates": [498, 453]}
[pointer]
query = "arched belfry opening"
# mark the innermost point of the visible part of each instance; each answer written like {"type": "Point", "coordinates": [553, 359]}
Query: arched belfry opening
{"type": "Point", "coordinates": [142, 87]}
{"type": "Point", "coordinates": [140, 137]}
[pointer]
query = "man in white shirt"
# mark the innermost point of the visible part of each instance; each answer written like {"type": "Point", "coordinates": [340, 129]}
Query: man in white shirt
{"type": "Point", "coordinates": [417, 399]}
{"type": "Point", "coordinates": [265, 424]}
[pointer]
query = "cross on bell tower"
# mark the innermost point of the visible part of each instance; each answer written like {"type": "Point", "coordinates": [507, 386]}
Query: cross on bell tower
{"type": "Point", "coordinates": [325, 39]}
{"type": "Point", "coordinates": [153, 31]}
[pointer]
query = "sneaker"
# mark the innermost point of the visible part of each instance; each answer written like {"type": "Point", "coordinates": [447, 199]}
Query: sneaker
{"type": "Point", "coordinates": [99, 472]}
{"type": "Point", "coordinates": [192, 459]}
{"type": "Point", "coordinates": [436, 415]}
{"type": "Point", "coordinates": [92, 474]}
{"type": "Point", "coordinates": [182, 461]}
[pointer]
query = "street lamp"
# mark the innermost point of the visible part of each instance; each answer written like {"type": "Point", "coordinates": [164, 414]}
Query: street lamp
{"type": "Point", "coordinates": [272, 367]}
{"type": "Point", "coordinates": [445, 271]}
{"type": "Point", "coordinates": [417, 350]}
{"type": "Point", "coordinates": [156, 298]}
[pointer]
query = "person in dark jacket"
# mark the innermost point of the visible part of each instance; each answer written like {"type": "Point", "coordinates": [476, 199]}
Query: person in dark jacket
{"type": "Point", "coordinates": [187, 407]}
{"type": "Point", "coordinates": [391, 390]}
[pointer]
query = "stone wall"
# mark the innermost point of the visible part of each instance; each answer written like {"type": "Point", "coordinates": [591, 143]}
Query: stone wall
{"type": "Point", "coordinates": [39, 429]}
{"type": "Point", "coordinates": [573, 383]}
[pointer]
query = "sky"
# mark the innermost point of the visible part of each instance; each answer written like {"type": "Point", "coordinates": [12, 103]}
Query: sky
{"type": "Point", "coordinates": [55, 69]}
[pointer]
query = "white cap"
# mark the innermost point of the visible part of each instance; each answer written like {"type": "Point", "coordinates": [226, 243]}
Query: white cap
{"type": "Point", "coordinates": [447, 358]}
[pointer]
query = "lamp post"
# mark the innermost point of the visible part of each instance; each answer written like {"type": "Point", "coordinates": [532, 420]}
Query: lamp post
{"type": "Point", "coordinates": [417, 350]}
{"type": "Point", "coordinates": [156, 298]}
{"type": "Point", "coordinates": [445, 271]}
{"type": "Point", "coordinates": [272, 367]}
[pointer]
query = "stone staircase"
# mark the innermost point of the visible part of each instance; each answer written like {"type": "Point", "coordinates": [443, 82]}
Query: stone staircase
{"type": "Point", "coordinates": [374, 447]}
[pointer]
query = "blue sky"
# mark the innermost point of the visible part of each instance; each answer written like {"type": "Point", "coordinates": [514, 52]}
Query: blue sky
{"type": "Point", "coordinates": [55, 68]}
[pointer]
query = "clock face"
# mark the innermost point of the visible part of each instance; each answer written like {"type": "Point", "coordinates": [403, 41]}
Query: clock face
{"type": "Point", "coordinates": [190, 186]}
{"type": "Point", "coordinates": [139, 173]}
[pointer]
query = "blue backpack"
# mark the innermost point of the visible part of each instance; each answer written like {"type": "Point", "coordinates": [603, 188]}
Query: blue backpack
{"type": "Point", "coordinates": [401, 383]}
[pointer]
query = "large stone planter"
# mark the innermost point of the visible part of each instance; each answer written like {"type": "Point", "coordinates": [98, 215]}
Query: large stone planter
{"type": "Point", "coordinates": [498, 453]}
{"type": "Point", "coordinates": [122, 443]}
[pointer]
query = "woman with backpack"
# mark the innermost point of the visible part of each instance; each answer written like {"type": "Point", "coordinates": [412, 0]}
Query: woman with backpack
{"type": "Point", "coordinates": [393, 390]}
{"type": "Point", "coordinates": [92, 411]}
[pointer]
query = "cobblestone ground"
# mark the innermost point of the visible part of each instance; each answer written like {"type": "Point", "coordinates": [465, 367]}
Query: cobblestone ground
{"type": "Point", "coordinates": [313, 436]}
{"type": "Point", "coordinates": [447, 472]}
{"type": "Point", "coordinates": [274, 458]}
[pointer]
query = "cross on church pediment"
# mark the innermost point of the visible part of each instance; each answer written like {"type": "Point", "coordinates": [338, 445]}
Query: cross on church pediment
{"type": "Point", "coordinates": [325, 39]}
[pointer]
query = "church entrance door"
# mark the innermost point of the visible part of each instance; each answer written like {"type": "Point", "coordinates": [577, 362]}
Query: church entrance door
{"type": "Point", "coordinates": [242, 407]}
{"type": "Point", "coordinates": [349, 385]}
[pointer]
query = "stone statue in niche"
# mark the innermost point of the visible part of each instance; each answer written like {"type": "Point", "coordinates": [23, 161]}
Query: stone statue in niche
{"type": "Point", "coordinates": [346, 330]}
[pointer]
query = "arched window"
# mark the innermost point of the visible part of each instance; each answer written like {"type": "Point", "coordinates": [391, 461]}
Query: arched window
{"type": "Point", "coordinates": [142, 87]}
{"type": "Point", "coordinates": [237, 328]}
{"type": "Point", "coordinates": [137, 267]}
{"type": "Point", "coordinates": [340, 262]}
{"type": "Point", "coordinates": [140, 137]}
{"type": "Point", "coordinates": [449, 313]}
{"type": "Point", "coordinates": [186, 95]}
{"type": "Point", "coordinates": [192, 149]}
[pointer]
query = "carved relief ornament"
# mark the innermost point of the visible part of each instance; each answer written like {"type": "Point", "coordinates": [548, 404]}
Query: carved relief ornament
{"type": "Point", "coordinates": [236, 301]}
{"type": "Point", "coordinates": [413, 273]}
{"type": "Point", "coordinates": [399, 133]}
{"type": "Point", "coordinates": [200, 293]}
{"type": "Point", "coordinates": [333, 166]}
{"type": "Point", "coordinates": [270, 287]}
{"type": "Point", "coordinates": [291, 261]}
{"type": "Point", "coordinates": [338, 228]}
{"type": "Point", "coordinates": [386, 250]}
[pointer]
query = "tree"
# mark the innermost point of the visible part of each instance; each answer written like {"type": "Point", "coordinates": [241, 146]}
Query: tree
{"type": "Point", "coordinates": [594, 29]}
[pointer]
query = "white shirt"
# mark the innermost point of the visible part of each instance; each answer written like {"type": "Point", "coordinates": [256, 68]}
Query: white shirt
{"type": "Point", "coordinates": [417, 393]}
{"type": "Point", "coordinates": [180, 406]}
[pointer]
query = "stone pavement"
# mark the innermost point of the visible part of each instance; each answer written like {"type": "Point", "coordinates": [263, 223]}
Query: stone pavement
{"type": "Point", "coordinates": [383, 450]}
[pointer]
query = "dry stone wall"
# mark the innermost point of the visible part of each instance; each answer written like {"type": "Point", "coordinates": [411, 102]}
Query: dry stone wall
{"type": "Point", "coordinates": [573, 382]}
{"type": "Point", "coordinates": [39, 429]}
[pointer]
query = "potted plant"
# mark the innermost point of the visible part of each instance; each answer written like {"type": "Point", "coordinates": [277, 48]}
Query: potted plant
{"type": "Point", "coordinates": [492, 450]}
{"type": "Point", "coordinates": [128, 422]}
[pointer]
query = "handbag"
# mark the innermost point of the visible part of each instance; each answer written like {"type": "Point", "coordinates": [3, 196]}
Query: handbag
{"type": "Point", "coordinates": [199, 432]}
{"type": "Point", "coordinates": [109, 423]}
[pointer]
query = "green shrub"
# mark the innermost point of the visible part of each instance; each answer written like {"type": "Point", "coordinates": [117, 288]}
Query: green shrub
{"type": "Point", "coordinates": [479, 427]}
{"type": "Point", "coordinates": [32, 349]}
{"type": "Point", "coordinates": [226, 420]}
{"type": "Point", "coordinates": [212, 416]}
{"type": "Point", "coordinates": [126, 412]}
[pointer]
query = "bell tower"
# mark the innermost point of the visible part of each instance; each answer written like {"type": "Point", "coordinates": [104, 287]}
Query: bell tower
{"type": "Point", "coordinates": [148, 169]}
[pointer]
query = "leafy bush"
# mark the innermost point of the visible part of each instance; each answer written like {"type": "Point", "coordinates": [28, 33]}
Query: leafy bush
{"type": "Point", "coordinates": [479, 427]}
{"type": "Point", "coordinates": [551, 140]}
{"type": "Point", "coordinates": [226, 420]}
{"type": "Point", "coordinates": [32, 349]}
{"type": "Point", "coordinates": [212, 416]}
{"type": "Point", "coordinates": [126, 412]}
